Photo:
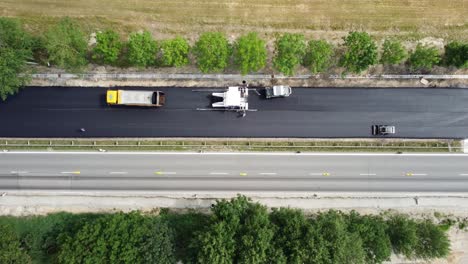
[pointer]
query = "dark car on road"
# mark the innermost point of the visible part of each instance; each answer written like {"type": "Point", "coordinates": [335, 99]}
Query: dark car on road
{"type": "Point", "coordinates": [382, 130]}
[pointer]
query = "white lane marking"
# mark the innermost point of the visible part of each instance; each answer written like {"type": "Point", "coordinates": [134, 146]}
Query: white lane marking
{"type": "Point", "coordinates": [19, 172]}
{"type": "Point", "coordinates": [218, 173]}
{"type": "Point", "coordinates": [463, 174]}
{"type": "Point", "coordinates": [165, 172]}
{"type": "Point", "coordinates": [118, 172]}
{"type": "Point", "coordinates": [234, 153]}
{"type": "Point", "coordinates": [70, 172]}
{"type": "Point", "coordinates": [367, 174]}
{"type": "Point", "coordinates": [267, 173]}
{"type": "Point", "coordinates": [415, 174]}
{"type": "Point", "coordinates": [320, 174]}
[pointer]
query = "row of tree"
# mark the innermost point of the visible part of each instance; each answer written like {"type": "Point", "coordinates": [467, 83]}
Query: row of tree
{"type": "Point", "coordinates": [236, 231]}
{"type": "Point", "coordinates": [214, 53]}
{"type": "Point", "coordinates": [66, 46]}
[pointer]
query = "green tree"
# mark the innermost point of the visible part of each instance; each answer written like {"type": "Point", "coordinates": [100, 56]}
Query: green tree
{"type": "Point", "coordinates": [289, 52]}
{"type": "Point", "coordinates": [119, 238]}
{"type": "Point", "coordinates": [108, 47]}
{"type": "Point", "coordinates": [41, 235]}
{"type": "Point", "coordinates": [372, 231]}
{"type": "Point", "coordinates": [341, 246]}
{"type": "Point", "coordinates": [361, 52]}
{"type": "Point", "coordinates": [255, 235]}
{"type": "Point", "coordinates": [294, 239]}
{"type": "Point", "coordinates": [250, 53]}
{"type": "Point", "coordinates": [423, 58]}
{"type": "Point", "coordinates": [392, 52]}
{"type": "Point", "coordinates": [239, 232]}
{"type": "Point", "coordinates": [318, 55]}
{"type": "Point", "coordinates": [403, 236]}
{"type": "Point", "coordinates": [212, 51]}
{"type": "Point", "coordinates": [433, 242]}
{"type": "Point", "coordinates": [174, 52]}
{"type": "Point", "coordinates": [456, 54]}
{"type": "Point", "coordinates": [186, 227]}
{"type": "Point", "coordinates": [15, 49]}
{"type": "Point", "coordinates": [10, 247]}
{"type": "Point", "coordinates": [66, 45]}
{"type": "Point", "coordinates": [13, 36]}
{"type": "Point", "coordinates": [159, 247]}
{"type": "Point", "coordinates": [11, 64]}
{"type": "Point", "coordinates": [142, 49]}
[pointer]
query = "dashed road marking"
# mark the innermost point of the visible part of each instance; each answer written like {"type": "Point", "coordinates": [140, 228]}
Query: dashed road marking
{"type": "Point", "coordinates": [218, 173]}
{"type": "Point", "coordinates": [267, 173]}
{"type": "Point", "coordinates": [70, 172]}
{"type": "Point", "coordinates": [320, 174]}
{"type": "Point", "coordinates": [165, 172]}
{"type": "Point", "coordinates": [367, 174]}
{"type": "Point", "coordinates": [19, 172]}
{"type": "Point", "coordinates": [415, 174]}
{"type": "Point", "coordinates": [463, 174]}
{"type": "Point", "coordinates": [243, 174]}
{"type": "Point", "coordinates": [118, 172]}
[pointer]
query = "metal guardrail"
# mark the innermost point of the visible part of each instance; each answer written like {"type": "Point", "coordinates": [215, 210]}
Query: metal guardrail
{"type": "Point", "coordinates": [247, 145]}
{"type": "Point", "coordinates": [182, 76]}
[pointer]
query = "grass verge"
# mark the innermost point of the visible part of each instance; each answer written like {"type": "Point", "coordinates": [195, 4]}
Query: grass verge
{"type": "Point", "coordinates": [438, 18]}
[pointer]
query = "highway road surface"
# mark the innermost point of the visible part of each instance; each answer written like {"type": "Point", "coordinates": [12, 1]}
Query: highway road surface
{"type": "Point", "coordinates": [89, 171]}
{"type": "Point", "coordinates": [308, 112]}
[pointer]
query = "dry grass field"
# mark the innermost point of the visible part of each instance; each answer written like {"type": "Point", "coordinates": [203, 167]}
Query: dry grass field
{"type": "Point", "coordinates": [409, 19]}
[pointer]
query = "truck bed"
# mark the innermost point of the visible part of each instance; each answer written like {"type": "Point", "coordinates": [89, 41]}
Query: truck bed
{"type": "Point", "coordinates": [127, 97]}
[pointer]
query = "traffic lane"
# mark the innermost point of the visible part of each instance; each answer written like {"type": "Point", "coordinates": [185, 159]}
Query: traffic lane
{"type": "Point", "coordinates": [302, 99]}
{"type": "Point", "coordinates": [281, 165]}
{"type": "Point", "coordinates": [309, 112]}
{"type": "Point", "coordinates": [192, 123]}
{"type": "Point", "coordinates": [239, 184]}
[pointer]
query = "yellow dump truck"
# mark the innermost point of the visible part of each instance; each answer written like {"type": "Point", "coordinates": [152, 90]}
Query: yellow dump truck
{"type": "Point", "coordinates": [135, 98]}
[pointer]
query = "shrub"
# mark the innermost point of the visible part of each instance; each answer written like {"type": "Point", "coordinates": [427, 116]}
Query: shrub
{"type": "Point", "coordinates": [423, 58]}
{"type": "Point", "coordinates": [456, 54]}
{"type": "Point", "coordinates": [174, 52]}
{"type": "Point", "coordinates": [290, 50]}
{"type": "Point", "coordinates": [392, 52]}
{"type": "Point", "coordinates": [403, 235]}
{"type": "Point", "coordinates": [66, 45]}
{"type": "Point", "coordinates": [212, 51]}
{"type": "Point", "coordinates": [120, 238]}
{"type": "Point", "coordinates": [13, 36]}
{"type": "Point", "coordinates": [10, 247]}
{"type": "Point", "coordinates": [432, 241]}
{"type": "Point", "coordinates": [361, 52]}
{"type": "Point", "coordinates": [108, 47]}
{"type": "Point", "coordinates": [142, 49]}
{"type": "Point", "coordinates": [250, 53]}
{"type": "Point", "coordinates": [318, 55]}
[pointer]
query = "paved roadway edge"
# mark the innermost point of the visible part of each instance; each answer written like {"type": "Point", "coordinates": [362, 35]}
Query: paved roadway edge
{"type": "Point", "coordinates": [21, 203]}
{"type": "Point", "coordinates": [229, 194]}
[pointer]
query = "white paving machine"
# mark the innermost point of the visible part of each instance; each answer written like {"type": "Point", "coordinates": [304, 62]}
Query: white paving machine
{"type": "Point", "coordinates": [234, 98]}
